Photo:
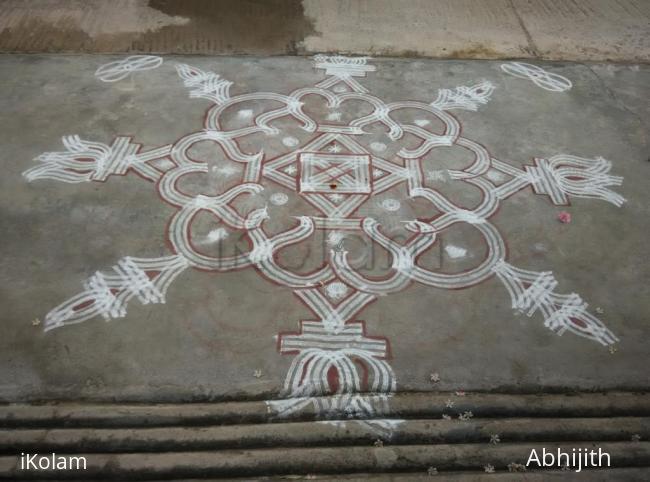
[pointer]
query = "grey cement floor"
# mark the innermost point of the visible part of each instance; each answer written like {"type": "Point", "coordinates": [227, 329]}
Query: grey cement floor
{"type": "Point", "coordinates": [216, 329]}
{"type": "Point", "coordinates": [595, 30]}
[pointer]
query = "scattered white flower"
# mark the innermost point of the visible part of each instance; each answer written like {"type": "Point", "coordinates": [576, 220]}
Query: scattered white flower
{"type": "Point", "coordinates": [290, 141]}
{"type": "Point", "coordinates": [459, 393]}
{"type": "Point", "coordinates": [379, 443]}
{"type": "Point", "coordinates": [446, 417]}
{"type": "Point", "coordinates": [245, 113]}
{"type": "Point", "coordinates": [291, 170]}
{"type": "Point", "coordinates": [449, 404]}
{"type": "Point", "coordinates": [336, 290]}
{"type": "Point", "coordinates": [279, 198]}
{"type": "Point", "coordinates": [488, 468]}
{"type": "Point", "coordinates": [599, 310]}
{"type": "Point", "coordinates": [257, 373]}
{"type": "Point", "coordinates": [217, 235]}
{"type": "Point", "coordinates": [36, 321]}
{"type": "Point", "coordinates": [612, 349]}
{"type": "Point", "coordinates": [334, 116]}
{"type": "Point", "coordinates": [635, 438]}
{"type": "Point", "coordinates": [436, 175]}
{"type": "Point", "coordinates": [494, 176]}
{"type": "Point", "coordinates": [334, 148]}
{"type": "Point", "coordinates": [514, 467]}
{"type": "Point", "coordinates": [378, 146]}
{"type": "Point", "coordinates": [465, 415]}
{"type": "Point", "coordinates": [495, 439]}
{"type": "Point", "coordinates": [434, 377]}
{"type": "Point", "coordinates": [455, 252]}
{"type": "Point", "coordinates": [432, 471]}
{"type": "Point", "coordinates": [334, 238]}
{"type": "Point", "coordinates": [390, 204]}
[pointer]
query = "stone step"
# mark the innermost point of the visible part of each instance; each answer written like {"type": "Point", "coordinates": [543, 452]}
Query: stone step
{"type": "Point", "coordinates": [248, 439]}
{"type": "Point", "coordinates": [402, 405]}
{"type": "Point", "coordinates": [325, 433]}
{"type": "Point", "coordinates": [310, 460]}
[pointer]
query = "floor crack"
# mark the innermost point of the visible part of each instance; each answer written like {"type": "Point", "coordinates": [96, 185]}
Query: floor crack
{"type": "Point", "coordinates": [532, 47]}
{"type": "Point", "coordinates": [614, 97]}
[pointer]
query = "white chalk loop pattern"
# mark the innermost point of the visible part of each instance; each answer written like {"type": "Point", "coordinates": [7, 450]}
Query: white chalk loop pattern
{"type": "Point", "coordinates": [121, 69]}
{"type": "Point", "coordinates": [334, 174]}
{"type": "Point", "coordinates": [540, 77]}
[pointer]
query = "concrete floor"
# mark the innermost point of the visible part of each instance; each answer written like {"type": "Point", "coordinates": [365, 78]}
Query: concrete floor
{"type": "Point", "coordinates": [217, 329]}
{"type": "Point", "coordinates": [597, 30]}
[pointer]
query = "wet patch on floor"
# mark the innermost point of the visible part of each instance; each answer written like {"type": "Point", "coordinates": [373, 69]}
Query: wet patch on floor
{"type": "Point", "coordinates": [190, 26]}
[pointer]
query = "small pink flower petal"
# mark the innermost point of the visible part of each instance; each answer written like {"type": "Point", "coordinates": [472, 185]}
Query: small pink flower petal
{"type": "Point", "coordinates": [564, 217]}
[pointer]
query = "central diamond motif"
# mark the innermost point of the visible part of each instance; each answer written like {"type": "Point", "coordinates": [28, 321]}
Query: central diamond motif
{"type": "Point", "coordinates": [335, 173]}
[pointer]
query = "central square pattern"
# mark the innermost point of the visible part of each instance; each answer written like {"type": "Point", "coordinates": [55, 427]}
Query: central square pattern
{"type": "Point", "coordinates": [335, 173]}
